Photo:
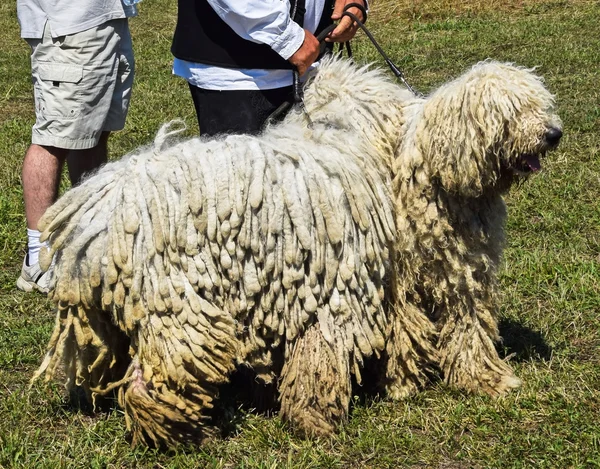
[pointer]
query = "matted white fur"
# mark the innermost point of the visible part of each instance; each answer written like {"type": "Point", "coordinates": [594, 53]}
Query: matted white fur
{"type": "Point", "coordinates": [299, 252]}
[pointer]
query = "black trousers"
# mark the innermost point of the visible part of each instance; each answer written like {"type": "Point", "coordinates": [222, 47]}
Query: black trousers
{"type": "Point", "coordinates": [236, 111]}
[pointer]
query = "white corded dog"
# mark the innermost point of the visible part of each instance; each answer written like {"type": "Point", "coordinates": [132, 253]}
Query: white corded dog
{"type": "Point", "coordinates": [377, 231]}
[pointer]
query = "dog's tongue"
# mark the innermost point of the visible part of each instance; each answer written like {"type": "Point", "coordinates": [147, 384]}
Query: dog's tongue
{"type": "Point", "coordinates": [533, 162]}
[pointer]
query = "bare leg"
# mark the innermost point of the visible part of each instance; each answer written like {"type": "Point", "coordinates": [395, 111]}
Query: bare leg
{"type": "Point", "coordinates": [41, 175]}
{"type": "Point", "coordinates": [42, 168]}
{"type": "Point", "coordinates": [315, 388]}
{"type": "Point", "coordinates": [81, 162]}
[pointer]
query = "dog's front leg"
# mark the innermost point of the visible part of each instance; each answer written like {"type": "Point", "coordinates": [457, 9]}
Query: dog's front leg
{"type": "Point", "coordinates": [468, 358]}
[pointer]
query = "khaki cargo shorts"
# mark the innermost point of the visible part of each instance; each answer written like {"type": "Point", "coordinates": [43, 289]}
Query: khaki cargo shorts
{"type": "Point", "coordinates": [82, 84]}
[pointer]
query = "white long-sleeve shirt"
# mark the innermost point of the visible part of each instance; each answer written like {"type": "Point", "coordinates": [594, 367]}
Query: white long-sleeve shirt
{"type": "Point", "coordinates": [68, 16]}
{"type": "Point", "coordinates": [262, 21]}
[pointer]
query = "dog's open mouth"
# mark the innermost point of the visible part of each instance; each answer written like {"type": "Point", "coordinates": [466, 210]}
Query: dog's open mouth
{"type": "Point", "coordinates": [527, 164]}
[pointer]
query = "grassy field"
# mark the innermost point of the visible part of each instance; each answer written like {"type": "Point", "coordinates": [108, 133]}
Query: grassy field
{"type": "Point", "coordinates": [550, 278]}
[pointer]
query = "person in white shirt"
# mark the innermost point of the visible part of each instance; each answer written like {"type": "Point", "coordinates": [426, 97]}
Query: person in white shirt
{"type": "Point", "coordinates": [82, 69]}
{"type": "Point", "coordinates": [238, 56]}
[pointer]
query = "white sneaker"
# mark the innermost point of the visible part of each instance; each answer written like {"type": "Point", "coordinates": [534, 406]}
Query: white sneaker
{"type": "Point", "coordinates": [33, 278]}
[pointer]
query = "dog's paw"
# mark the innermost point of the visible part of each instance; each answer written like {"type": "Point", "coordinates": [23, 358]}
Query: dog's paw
{"type": "Point", "coordinates": [491, 382]}
{"type": "Point", "coordinates": [310, 423]}
{"type": "Point", "coordinates": [401, 389]}
{"type": "Point", "coordinates": [502, 385]}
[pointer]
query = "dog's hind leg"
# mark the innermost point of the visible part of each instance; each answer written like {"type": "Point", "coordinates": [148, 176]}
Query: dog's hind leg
{"type": "Point", "coordinates": [410, 352]}
{"type": "Point", "coordinates": [163, 413]}
{"type": "Point", "coordinates": [468, 357]}
{"type": "Point", "coordinates": [315, 387]}
{"type": "Point", "coordinates": [180, 359]}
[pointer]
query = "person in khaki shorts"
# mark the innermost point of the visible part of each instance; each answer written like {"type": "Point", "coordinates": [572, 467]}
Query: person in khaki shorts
{"type": "Point", "coordinates": [82, 71]}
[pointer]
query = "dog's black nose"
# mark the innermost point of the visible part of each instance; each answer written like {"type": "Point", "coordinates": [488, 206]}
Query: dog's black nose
{"type": "Point", "coordinates": [553, 136]}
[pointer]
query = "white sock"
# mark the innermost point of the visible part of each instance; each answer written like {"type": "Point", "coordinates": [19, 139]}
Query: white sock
{"type": "Point", "coordinates": [33, 246]}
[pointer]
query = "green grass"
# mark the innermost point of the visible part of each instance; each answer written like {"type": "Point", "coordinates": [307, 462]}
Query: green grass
{"type": "Point", "coordinates": [550, 279]}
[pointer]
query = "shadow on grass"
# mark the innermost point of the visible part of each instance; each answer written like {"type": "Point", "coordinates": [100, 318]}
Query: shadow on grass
{"type": "Point", "coordinates": [245, 394]}
{"type": "Point", "coordinates": [525, 343]}
{"type": "Point", "coordinates": [77, 402]}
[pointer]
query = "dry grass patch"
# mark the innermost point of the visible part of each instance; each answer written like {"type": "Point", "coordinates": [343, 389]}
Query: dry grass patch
{"type": "Point", "coordinates": [428, 10]}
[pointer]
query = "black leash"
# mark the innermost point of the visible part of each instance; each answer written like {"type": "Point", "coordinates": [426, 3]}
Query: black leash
{"type": "Point", "coordinates": [321, 37]}
{"type": "Point", "coordinates": [298, 91]}
{"type": "Point", "coordinates": [395, 70]}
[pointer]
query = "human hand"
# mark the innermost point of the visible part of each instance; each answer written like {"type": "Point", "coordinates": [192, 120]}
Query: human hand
{"type": "Point", "coordinates": [304, 57]}
{"type": "Point", "coordinates": [346, 28]}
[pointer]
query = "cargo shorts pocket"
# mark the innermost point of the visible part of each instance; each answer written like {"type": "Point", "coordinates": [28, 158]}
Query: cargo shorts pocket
{"type": "Point", "coordinates": [58, 90]}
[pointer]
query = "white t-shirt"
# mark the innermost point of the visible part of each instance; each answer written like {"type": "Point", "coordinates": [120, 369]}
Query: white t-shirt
{"type": "Point", "coordinates": [67, 16]}
{"type": "Point", "coordinates": [262, 21]}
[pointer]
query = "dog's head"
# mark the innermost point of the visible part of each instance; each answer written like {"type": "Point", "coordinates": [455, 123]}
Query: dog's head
{"type": "Point", "coordinates": [488, 127]}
